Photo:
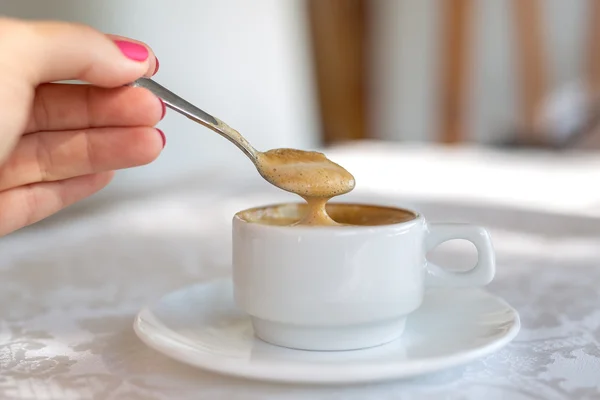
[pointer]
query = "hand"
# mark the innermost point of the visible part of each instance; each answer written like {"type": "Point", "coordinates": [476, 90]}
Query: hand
{"type": "Point", "coordinates": [60, 143]}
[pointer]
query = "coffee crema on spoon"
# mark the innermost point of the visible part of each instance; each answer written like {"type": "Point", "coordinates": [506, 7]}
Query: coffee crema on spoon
{"type": "Point", "coordinates": [308, 174]}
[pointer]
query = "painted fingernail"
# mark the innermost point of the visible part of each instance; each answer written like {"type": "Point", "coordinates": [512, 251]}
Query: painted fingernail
{"type": "Point", "coordinates": [157, 67]}
{"type": "Point", "coordinates": [133, 51]}
{"type": "Point", "coordinates": [163, 137]}
{"type": "Point", "coordinates": [164, 108]}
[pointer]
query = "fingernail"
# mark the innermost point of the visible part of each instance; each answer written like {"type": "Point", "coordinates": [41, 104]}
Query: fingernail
{"type": "Point", "coordinates": [163, 137]}
{"type": "Point", "coordinates": [157, 66]}
{"type": "Point", "coordinates": [133, 51]}
{"type": "Point", "coordinates": [164, 108]}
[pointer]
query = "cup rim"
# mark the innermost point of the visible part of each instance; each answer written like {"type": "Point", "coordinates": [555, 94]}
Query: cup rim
{"type": "Point", "coordinates": [237, 219]}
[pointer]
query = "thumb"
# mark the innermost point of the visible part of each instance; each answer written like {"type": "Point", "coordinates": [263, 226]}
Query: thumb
{"type": "Point", "coordinates": [53, 51]}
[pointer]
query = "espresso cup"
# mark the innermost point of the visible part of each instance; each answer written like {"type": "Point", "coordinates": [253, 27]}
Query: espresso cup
{"type": "Point", "coordinates": [342, 287]}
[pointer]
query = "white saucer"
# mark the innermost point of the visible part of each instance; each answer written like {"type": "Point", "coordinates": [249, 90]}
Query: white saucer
{"type": "Point", "coordinates": [201, 326]}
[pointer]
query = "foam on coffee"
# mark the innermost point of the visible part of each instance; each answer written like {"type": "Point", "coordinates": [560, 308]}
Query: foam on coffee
{"type": "Point", "coordinates": [341, 213]}
{"type": "Point", "coordinates": [306, 173]}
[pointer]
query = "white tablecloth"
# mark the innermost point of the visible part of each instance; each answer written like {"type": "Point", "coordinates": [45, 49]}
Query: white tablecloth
{"type": "Point", "coordinates": [69, 288]}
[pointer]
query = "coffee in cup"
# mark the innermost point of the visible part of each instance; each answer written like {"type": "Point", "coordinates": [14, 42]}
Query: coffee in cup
{"type": "Point", "coordinates": [291, 214]}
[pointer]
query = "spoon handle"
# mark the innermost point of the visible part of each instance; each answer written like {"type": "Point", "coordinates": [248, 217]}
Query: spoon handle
{"type": "Point", "coordinates": [176, 103]}
{"type": "Point", "coordinates": [186, 108]}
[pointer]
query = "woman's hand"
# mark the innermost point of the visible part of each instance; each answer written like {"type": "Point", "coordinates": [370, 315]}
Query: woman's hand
{"type": "Point", "coordinates": [60, 143]}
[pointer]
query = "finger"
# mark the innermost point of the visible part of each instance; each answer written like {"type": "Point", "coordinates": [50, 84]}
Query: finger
{"type": "Point", "coordinates": [53, 156]}
{"type": "Point", "coordinates": [16, 98]}
{"type": "Point", "coordinates": [43, 51]}
{"type": "Point", "coordinates": [66, 107]}
{"type": "Point", "coordinates": [26, 205]}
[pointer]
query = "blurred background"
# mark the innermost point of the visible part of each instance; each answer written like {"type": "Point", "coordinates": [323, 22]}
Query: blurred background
{"type": "Point", "coordinates": [478, 111]}
{"type": "Point", "coordinates": [495, 74]}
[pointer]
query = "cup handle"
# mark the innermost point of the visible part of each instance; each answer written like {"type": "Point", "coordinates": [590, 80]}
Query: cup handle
{"type": "Point", "coordinates": [480, 275]}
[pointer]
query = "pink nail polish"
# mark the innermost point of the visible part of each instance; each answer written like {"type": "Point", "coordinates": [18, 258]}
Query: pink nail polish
{"type": "Point", "coordinates": [163, 137]}
{"type": "Point", "coordinates": [164, 108]}
{"type": "Point", "coordinates": [156, 68]}
{"type": "Point", "coordinates": [133, 51]}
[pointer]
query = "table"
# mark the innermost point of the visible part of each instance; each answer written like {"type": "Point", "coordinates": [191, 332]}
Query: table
{"type": "Point", "coordinates": [70, 287]}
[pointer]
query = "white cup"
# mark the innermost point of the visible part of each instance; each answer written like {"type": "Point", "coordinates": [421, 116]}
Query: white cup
{"type": "Point", "coordinates": [342, 287]}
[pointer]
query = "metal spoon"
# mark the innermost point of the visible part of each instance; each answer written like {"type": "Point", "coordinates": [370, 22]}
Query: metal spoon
{"type": "Point", "coordinates": [186, 108]}
{"type": "Point", "coordinates": [270, 168]}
